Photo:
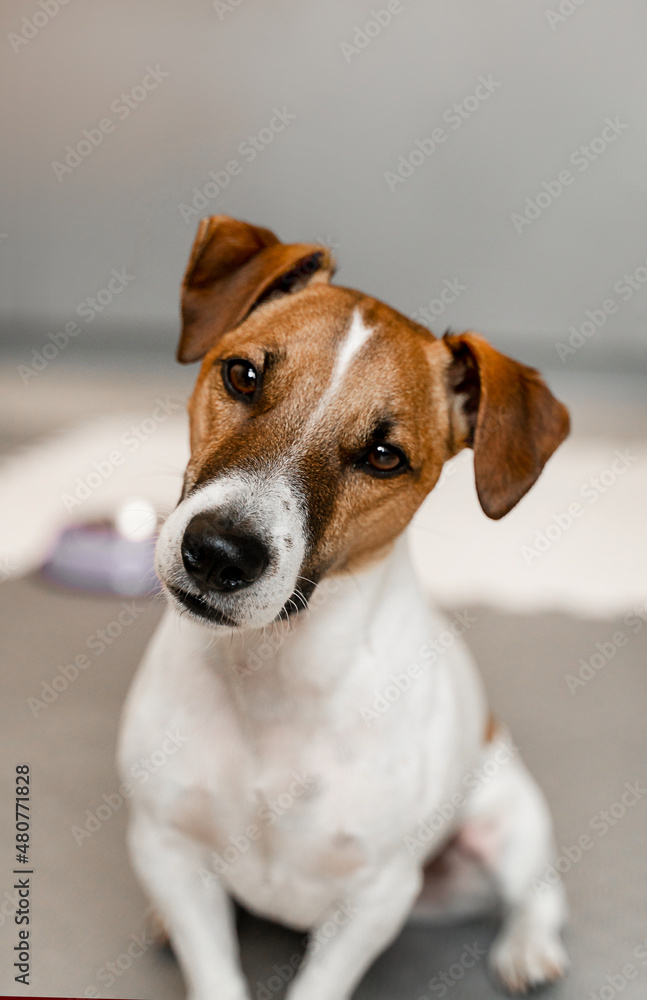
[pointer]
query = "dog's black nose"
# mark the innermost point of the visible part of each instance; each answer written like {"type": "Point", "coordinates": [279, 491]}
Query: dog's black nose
{"type": "Point", "coordinates": [219, 557]}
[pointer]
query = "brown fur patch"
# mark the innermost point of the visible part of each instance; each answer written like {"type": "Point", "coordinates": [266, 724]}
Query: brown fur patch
{"type": "Point", "coordinates": [510, 418]}
{"type": "Point", "coordinates": [233, 266]}
{"type": "Point", "coordinates": [432, 396]}
{"type": "Point", "coordinates": [352, 516]}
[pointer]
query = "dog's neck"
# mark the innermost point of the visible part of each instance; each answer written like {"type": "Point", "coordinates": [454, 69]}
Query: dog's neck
{"type": "Point", "coordinates": [352, 618]}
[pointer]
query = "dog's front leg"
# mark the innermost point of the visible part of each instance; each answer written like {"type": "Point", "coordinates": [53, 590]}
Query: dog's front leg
{"type": "Point", "coordinates": [344, 945]}
{"type": "Point", "coordinates": [197, 912]}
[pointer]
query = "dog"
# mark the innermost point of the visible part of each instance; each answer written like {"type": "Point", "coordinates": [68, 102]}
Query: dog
{"type": "Point", "coordinates": [320, 421]}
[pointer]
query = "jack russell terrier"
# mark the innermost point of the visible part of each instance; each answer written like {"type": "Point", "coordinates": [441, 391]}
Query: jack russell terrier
{"type": "Point", "coordinates": [320, 421]}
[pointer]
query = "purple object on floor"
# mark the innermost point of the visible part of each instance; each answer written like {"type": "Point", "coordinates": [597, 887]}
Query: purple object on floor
{"type": "Point", "coordinates": [97, 558]}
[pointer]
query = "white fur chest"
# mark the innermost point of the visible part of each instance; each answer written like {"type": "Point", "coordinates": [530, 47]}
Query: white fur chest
{"type": "Point", "coordinates": [296, 797]}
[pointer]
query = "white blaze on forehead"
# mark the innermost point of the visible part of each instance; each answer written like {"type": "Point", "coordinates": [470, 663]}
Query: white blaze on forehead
{"type": "Point", "coordinates": [355, 339]}
{"type": "Point", "coordinates": [358, 334]}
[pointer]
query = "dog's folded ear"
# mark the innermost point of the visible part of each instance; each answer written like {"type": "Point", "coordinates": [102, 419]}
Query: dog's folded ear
{"type": "Point", "coordinates": [505, 412]}
{"type": "Point", "coordinates": [232, 268]}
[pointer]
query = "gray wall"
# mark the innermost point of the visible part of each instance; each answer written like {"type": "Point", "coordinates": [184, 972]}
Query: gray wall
{"type": "Point", "coordinates": [323, 176]}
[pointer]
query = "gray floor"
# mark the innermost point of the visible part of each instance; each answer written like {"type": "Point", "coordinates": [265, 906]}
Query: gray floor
{"type": "Point", "coordinates": [87, 906]}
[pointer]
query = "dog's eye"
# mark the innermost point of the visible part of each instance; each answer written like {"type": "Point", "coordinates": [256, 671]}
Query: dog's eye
{"type": "Point", "coordinates": [384, 460]}
{"type": "Point", "coordinates": [240, 378]}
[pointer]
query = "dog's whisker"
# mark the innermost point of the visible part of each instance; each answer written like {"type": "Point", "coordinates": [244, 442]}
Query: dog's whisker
{"type": "Point", "coordinates": [302, 597]}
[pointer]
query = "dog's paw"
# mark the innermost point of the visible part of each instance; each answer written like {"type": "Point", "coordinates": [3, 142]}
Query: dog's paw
{"type": "Point", "coordinates": [523, 958]}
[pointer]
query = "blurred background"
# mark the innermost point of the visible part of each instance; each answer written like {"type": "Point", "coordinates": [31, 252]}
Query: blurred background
{"type": "Point", "coordinates": [475, 166]}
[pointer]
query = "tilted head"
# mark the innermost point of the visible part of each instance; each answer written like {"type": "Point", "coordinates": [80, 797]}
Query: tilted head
{"type": "Point", "coordinates": [320, 421]}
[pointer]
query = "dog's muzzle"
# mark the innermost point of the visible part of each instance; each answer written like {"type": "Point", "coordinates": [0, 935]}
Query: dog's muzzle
{"type": "Point", "coordinates": [232, 550]}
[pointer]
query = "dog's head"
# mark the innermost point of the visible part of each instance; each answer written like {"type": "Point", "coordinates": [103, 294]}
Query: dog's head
{"type": "Point", "coordinates": [320, 421]}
